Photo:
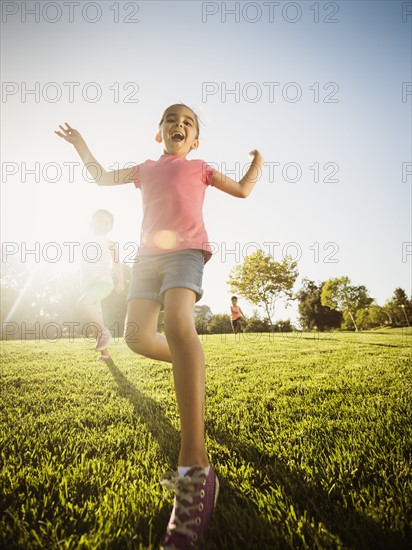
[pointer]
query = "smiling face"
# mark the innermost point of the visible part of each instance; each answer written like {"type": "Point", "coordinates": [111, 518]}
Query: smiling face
{"type": "Point", "coordinates": [178, 130]}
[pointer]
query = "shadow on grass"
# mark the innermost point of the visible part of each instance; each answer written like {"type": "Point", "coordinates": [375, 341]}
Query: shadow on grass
{"type": "Point", "coordinates": [233, 509]}
{"type": "Point", "coordinates": [238, 524]}
{"type": "Point", "coordinates": [150, 413]}
{"type": "Point", "coordinates": [153, 418]}
{"type": "Point", "coordinates": [385, 345]}
{"type": "Point", "coordinates": [354, 529]}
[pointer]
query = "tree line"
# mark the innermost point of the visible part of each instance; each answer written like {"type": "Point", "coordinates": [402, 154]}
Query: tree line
{"type": "Point", "coordinates": [32, 302]}
{"type": "Point", "coordinates": [332, 304]}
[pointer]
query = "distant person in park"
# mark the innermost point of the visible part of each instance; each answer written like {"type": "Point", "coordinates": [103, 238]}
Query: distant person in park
{"type": "Point", "coordinates": [236, 316]}
{"type": "Point", "coordinates": [98, 266]}
{"type": "Point", "coordinates": [168, 274]}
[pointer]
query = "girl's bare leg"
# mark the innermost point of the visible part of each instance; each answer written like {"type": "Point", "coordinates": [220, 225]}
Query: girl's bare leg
{"type": "Point", "coordinates": [141, 330]}
{"type": "Point", "coordinates": [86, 304]}
{"type": "Point", "coordinates": [182, 347]}
{"type": "Point", "coordinates": [189, 374]}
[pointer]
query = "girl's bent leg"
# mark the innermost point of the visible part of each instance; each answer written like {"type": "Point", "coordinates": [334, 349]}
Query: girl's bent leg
{"type": "Point", "coordinates": [86, 305]}
{"type": "Point", "coordinates": [189, 374]}
{"type": "Point", "coordinates": [140, 331]}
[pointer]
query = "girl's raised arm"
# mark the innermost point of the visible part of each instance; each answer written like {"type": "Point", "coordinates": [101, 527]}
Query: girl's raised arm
{"type": "Point", "coordinates": [243, 187]}
{"type": "Point", "coordinates": [95, 169]}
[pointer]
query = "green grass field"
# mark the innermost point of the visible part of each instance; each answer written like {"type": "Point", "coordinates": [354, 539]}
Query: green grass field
{"type": "Point", "coordinates": [311, 439]}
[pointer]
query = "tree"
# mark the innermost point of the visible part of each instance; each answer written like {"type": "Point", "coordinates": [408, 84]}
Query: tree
{"type": "Point", "coordinates": [400, 297]}
{"type": "Point", "coordinates": [377, 316]}
{"type": "Point", "coordinates": [14, 276]}
{"type": "Point", "coordinates": [200, 325]}
{"type": "Point", "coordinates": [340, 294]}
{"type": "Point", "coordinates": [256, 324]}
{"type": "Point", "coordinates": [283, 326]}
{"type": "Point", "coordinates": [203, 314]}
{"type": "Point", "coordinates": [369, 317]}
{"type": "Point", "coordinates": [312, 314]}
{"type": "Point", "coordinates": [219, 324]}
{"type": "Point", "coordinates": [262, 281]}
{"type": "Point", "coordinates": [34, 300]}
{"type": "Point", "coordinates": [39, 302]}
{"type": "Point", "coordinates": [399, 308]}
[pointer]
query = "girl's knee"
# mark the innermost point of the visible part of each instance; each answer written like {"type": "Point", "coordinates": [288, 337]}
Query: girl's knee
{"type": "Point", "coordinates": [133, 339]}
{"type": "Point", "coordinates": [141, 347]}
{"type": "Point", "coordinates": [179, 325]}
{"type": "Point", "coordinates": [138, 342]}
{"type": "Point", "coordinates": [134, 345]}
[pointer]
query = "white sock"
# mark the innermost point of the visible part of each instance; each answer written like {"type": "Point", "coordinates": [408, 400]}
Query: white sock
{"type": "Point", "coordinates": [182, 470]}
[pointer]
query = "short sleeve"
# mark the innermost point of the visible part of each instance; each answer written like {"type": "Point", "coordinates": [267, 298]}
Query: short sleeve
{"type": "Point", "coordinates": [137, 173]}
{"type": "Point", "coordinates": [207, 173]}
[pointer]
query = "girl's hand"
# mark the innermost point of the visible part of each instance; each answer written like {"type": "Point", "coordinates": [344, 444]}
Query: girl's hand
{"type": "Point", "coordinates": [69, 134]}
{"type": "Point", "coordinates": [256, 156]}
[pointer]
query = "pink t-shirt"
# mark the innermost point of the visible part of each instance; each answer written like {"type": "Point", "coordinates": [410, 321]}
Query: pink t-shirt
{"type": "Point", "coordinates": [173, 190]}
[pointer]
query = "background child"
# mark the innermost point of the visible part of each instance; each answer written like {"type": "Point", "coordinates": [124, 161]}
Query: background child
{"type": "Point", "coordinates": [236, 316]}
{"type": "Point", "coordinates": [97, 278]}
{"type": "Point", "coordinates": [174, 248]}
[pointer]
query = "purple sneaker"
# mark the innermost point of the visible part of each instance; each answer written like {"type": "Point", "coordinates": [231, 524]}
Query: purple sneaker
{"type": "Point", "coordinates": [195, 499]}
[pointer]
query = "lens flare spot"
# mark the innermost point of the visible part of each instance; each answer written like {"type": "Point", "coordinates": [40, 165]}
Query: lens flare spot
{"type": "Point", "coordinates": [166, 239]}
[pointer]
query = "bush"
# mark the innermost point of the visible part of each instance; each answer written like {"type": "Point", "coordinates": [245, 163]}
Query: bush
{"type": "Point", "coordinates": [219, 324]}
{"type": "Point", "coordinates": [256, 324]}
{"type": "Point", "coordinates": [283, 326]}
{"type": "Point", "coordinates": [201, 325]}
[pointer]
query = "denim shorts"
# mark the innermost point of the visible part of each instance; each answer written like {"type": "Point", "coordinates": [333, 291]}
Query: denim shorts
{"type": "Point", "coordinates": [153, 275]}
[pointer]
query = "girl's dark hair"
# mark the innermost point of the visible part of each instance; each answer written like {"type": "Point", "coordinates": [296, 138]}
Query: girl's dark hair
{"type": "Point", "coordinates": [233, 298]}
{"type": "Point", "coordinates": [197, 119]}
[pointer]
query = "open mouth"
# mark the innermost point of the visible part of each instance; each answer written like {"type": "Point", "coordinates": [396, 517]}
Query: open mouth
{"type": "Point", "coordinates": [178, 136]}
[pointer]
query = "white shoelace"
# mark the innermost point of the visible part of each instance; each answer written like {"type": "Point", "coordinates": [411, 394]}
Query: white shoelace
{"type": "Point", "coordinates": [186, 489]}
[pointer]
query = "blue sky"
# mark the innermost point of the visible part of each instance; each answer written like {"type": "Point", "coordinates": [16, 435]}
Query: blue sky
{"type": "Point", "coordinates": [318, 99]}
